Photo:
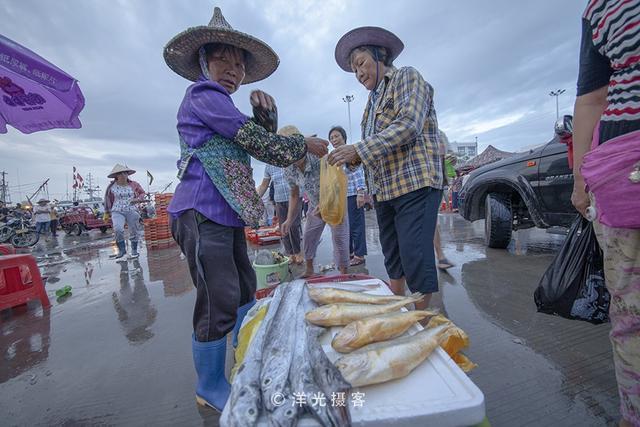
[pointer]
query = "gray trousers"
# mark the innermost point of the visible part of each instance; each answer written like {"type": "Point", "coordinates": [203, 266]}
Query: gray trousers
{"type": "Point", "coordinates": [339, 234]}
{"type": "Point", "coordinates": [292, 240]}
{"type": "Point", "coordinates": [132, 218]}
{"type": "Point", "coordinates": [220, 271]}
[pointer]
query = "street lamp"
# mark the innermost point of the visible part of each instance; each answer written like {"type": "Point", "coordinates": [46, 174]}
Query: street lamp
{"type": "Point", "coordinates": [348, 99]}
{"type": "Point", "coordinates": [557, 93]}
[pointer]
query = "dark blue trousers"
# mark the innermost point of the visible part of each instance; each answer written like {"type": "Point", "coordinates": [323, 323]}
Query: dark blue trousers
{"type": "Point", "coordinates": [357, 236]}
{"type": "Point", "coordinates": [407, 225]}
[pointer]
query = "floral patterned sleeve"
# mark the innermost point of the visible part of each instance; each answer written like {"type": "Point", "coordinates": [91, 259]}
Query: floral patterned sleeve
{"type": "Point", "coordinates": [269, 147]}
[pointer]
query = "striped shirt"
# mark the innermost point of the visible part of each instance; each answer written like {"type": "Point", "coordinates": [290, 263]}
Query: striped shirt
{"type": "Point", "coordinates": [610, 55]}
{"type": "Point", "coordinates": [280, 185]}
{"type": "Point", "coordinates": [402, 155]}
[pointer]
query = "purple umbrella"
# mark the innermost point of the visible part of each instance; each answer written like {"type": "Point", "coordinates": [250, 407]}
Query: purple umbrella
{"type": "Point", "coordinates": [36, 95]}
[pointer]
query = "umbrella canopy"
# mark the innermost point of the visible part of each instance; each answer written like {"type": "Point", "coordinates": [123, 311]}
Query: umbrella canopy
{"type": "Point", "coordinates": [490, 155]}
{"type": "Point", "coordinates": [35, 94]}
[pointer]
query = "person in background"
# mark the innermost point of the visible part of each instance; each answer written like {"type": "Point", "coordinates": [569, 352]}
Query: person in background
{"type": "Point", "coordinates": [448, 161]}
{"type": "Point", "coordinates": [606, 112]}
{"type": "Point", "coordinates": [4, 212]}
{"type": "Point", "coordinates": [269, 210]}
{"type": "Point", "coordinates": [42, 217]}
{"type": "Point", "coordinates": [400, 150]}
{"type": "Point", "coordinates": [53, 224]}
{"type": "Point", "coordinates": [20, 212]}
{"type": "Point", "coordinates": [356, 191]}
{"type": "Point", "coordinates": [216, 197]}
{"type": "Point", "coordinates": [305, 206]}
{"type": "Point", "coordinates": [456, 186]}
{"type": "Point", "coordinates": [304, 175]}
{"type": "Point", "coordinates": [120, 201]}
{"type": "Point", "coordinates": [274, 176]}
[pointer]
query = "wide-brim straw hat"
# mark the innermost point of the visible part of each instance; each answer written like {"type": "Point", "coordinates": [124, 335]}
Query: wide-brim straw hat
{"type": "Point", "coordinates": [43, 200]}
{"type": "Point", "coordinates": [366, 36]}
{"type": "Point", "coordinates": [120, 168]}
{"type": "Point", "coordinates": [181, 53]}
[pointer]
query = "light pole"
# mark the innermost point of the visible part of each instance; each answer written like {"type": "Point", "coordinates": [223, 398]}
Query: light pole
{"type": "Point", "coordinates": [557, 93]}
{"type": "Point", "coordinates": [348, 99]}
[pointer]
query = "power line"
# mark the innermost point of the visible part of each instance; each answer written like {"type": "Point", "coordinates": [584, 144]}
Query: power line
{"type": "Point", "coordinates": [30, 184]}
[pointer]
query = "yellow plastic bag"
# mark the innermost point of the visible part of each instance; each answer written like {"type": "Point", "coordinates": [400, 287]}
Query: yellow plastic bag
{"type": "Point", "coordinates": [245, 336]}
{"type": "Point", "coordinates": [454, 340]}
{"type": "Point", "coordinates": [333, 192]}
{"type": "Point", "coordinates": [463, 362]}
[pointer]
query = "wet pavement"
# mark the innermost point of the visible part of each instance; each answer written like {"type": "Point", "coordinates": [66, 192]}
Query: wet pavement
{"type": "Point", "coordinates": [118, 352]}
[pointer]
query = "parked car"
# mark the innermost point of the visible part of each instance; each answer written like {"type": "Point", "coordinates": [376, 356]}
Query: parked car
{"type": "Point", "coordinates": [532, 189]}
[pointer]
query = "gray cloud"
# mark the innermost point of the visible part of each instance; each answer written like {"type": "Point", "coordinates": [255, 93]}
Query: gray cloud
{"type": "Point", "coordinates": [492, 65]}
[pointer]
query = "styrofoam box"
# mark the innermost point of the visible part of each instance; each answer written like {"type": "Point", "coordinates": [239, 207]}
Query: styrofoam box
{"type": "Point", "coordinates": [436, 393]}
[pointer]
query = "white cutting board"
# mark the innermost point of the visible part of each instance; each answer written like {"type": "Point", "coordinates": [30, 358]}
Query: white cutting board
{"type": "Point", "coordinates": [436, 393]}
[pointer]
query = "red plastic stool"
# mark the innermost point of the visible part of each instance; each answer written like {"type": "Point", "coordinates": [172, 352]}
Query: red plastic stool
{"type": "Point", "coordinates": [24, 270]}
{"type": "Point", "coordinates": [14, 290]}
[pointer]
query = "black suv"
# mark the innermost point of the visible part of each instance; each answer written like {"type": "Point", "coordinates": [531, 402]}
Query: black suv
{"type": "Point", "coordinates": [531, 189]}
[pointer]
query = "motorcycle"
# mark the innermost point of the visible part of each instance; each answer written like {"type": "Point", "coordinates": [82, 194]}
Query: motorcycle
{"type": "Point", "coordinates": [19, 233]}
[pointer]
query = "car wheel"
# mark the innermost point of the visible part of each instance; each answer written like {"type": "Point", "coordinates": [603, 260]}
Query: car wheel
{"type": "Point", "coordinates": [498, 221]}
{"type": "Point", "coordinates": [103, 230]}
{"type": "Point", "coordinates": [77, 229]}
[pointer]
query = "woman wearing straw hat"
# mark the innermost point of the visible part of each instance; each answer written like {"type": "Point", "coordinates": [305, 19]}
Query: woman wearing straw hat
{"type": "Point", "coordinates": [399, 149]}
{"type": "Point", "coordinates": [216, 196]}
{"type": "Point", "coordinates": [42, 217]}
{"type": "Point", "coordinates": [119, 201]}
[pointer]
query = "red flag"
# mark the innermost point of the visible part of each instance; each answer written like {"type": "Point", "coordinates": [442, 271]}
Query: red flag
{"type": "Point", "coordinates": [80, 180]}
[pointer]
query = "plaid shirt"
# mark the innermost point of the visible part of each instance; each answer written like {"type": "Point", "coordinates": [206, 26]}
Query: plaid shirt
{"type": "Point", "coordinates": [403, 153]}
{"type": "Point", "coordinates": [280, 185]}
{"type": "Point", "coordinates": [355, 181]}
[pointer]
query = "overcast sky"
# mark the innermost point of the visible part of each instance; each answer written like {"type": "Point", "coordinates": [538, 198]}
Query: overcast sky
{"type": "Point", "coordinates": [492, 64]}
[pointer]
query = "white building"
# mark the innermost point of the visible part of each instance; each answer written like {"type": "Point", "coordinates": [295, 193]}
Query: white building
{"type": "Point", "coordinates": [464, 150]}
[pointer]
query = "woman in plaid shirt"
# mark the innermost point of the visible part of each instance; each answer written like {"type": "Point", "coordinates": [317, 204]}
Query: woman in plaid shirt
{"type": "Point", "coordinates": [400, 150]}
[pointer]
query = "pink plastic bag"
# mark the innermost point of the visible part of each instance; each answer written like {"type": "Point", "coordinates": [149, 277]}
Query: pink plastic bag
{"type": "Point", "coordinates": [612, 173]}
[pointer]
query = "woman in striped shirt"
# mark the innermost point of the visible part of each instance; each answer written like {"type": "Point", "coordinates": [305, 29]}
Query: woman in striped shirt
{"type": "Point", "coordinates": [609, 97]}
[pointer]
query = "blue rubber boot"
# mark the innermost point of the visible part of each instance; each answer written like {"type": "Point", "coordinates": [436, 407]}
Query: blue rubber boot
{"type": "Point", "coordinates": [134, 249]}
{"type": "Point", "coordinates": [213, 388]}
{"type": "Point", "coordinates": [122, 250]}
{"type": "Point", "coordinates": [242, 312]}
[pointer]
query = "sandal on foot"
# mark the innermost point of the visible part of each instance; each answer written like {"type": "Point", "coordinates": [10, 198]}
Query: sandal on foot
{"type": "Point", "coordinates": [444, 264]}
{"type": "Point", "coordinates": [356, 260]}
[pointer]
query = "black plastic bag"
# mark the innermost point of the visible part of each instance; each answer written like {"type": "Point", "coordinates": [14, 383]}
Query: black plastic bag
{"type": "Point", "coordinates": [573, 285]}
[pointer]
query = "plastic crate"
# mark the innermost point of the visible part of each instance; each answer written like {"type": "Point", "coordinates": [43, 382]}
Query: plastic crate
{"type": "Point", "coordinates": [160, 244]}
{"type": "Point", "coordinates": [263, 235]}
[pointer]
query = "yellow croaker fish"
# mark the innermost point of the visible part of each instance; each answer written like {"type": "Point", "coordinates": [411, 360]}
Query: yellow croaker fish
{"type": "Point", "coordinates": [373, 329]}
{"type": "Point", "coordinates": [342, 314]}
{"type": "Point", "coordinates": [335, 296]}
{"type": "Point", "coordinates": [393, 361]}
{"type": "Point", "coordinates": [346, 286]}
